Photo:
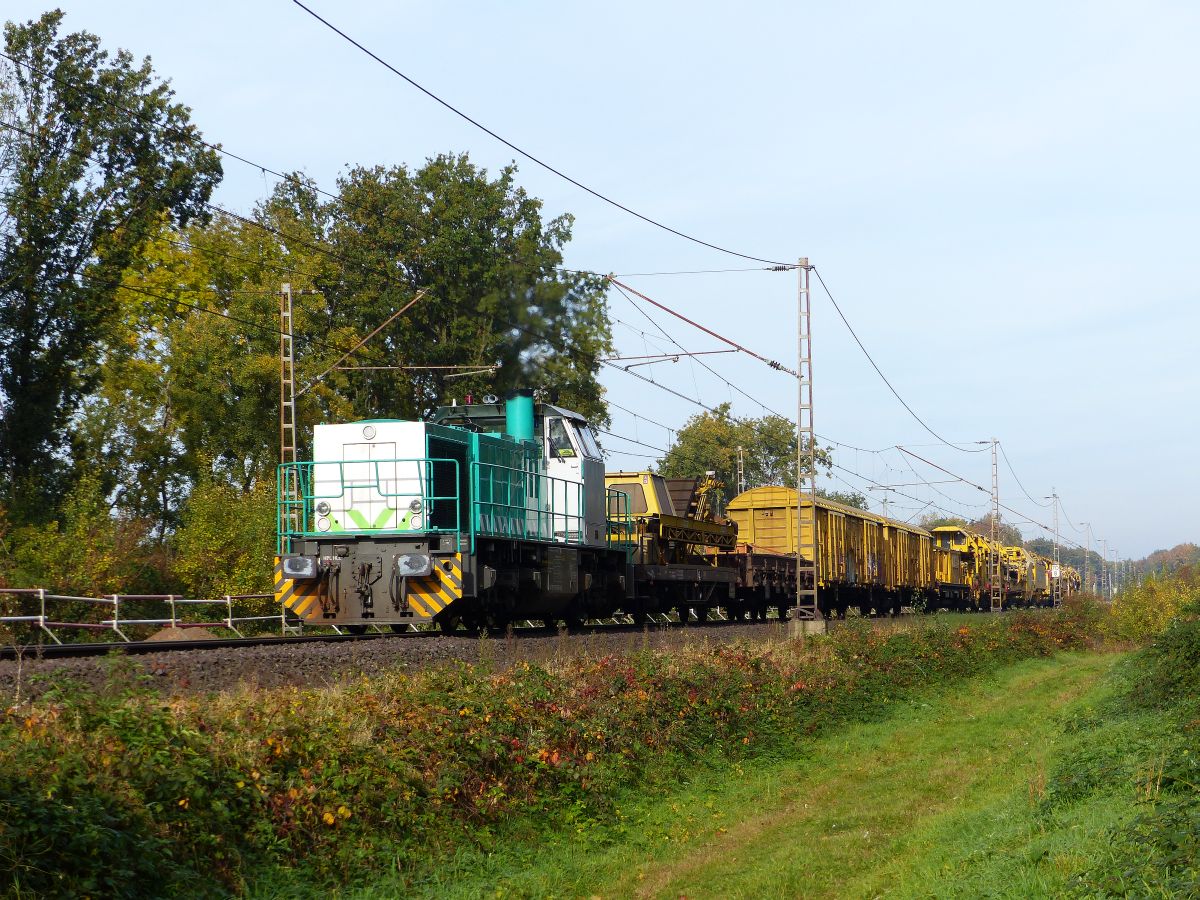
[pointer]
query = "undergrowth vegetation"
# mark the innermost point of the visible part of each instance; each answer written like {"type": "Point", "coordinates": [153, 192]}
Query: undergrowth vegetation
{"type": "Point", "coordinates": [1141, 749]}
{"type": "Point", "coordinates": [120, 792]}
{"type": "Point", "coordinates": [1145, 608]}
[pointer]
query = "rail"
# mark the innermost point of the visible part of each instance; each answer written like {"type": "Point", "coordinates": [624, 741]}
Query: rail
{"type": "Point", "coordinates": [173, 606]}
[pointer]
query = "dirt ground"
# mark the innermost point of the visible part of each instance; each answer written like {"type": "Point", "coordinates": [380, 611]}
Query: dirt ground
{"type": "Point", "coordinates": [315, 664]}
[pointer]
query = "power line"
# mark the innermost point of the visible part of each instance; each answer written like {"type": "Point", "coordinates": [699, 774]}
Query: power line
{"type": "Point", "coordinates": [937, 490]}
{"type": "Point", "coordinates": [1003, 506]}
{"type": "Point", "coordinates": [879, 371]}
{"type": "Point", "coordinates": [191, 135]}
{"type": "Point", "coordinates": [187, 131]}
{"type": "Point", "coordinates": [212, 251]}
{"type": "Point", "coordinates": [266, 329]}
{"type": "Point", "coordinates": [1016, 479]}
{"type": "Point", "coordinates": [720, 337]}
{"type": "Point", "coordinates": [525, 153]}
{"type": "Point", "coordinates": [774, 268]}
{"type": "Point", "coordinates": [727, 382]}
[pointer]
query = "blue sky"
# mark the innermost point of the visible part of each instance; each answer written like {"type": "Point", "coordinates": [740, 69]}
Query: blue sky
{"type": "Point", "coordinates": [1003, 200]}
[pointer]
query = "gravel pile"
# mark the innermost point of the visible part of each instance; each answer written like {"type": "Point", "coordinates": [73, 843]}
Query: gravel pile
{"type": "Point", "coordinates": [318, 664]}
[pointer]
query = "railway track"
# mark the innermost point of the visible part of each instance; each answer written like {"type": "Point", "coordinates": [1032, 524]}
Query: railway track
{"type": "Point", "coordinates": [140, 648]}
{"type": "Point", "coordinates": [69, 651]}
{"type": "Point", "coordinates": [83, 650]}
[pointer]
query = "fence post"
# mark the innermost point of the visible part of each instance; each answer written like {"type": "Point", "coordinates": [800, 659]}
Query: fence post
{"type": "Point", "coordinates": [229, 616]}
{"type": "Point", "coordinates": [171, 603]}
{"type": "Point", "coordinates": [116, 619]}
{"type": "Point", "coordinates": [42, 616]}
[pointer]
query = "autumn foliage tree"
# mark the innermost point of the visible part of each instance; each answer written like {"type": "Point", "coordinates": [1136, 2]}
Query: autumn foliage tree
{"type": "Point", "coordinates": [94, 154]}
{"type": "Point", "coordinates": [709, 441]}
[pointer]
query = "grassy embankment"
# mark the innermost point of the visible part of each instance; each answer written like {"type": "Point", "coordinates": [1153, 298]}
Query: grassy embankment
{"type": "Point", "coordinates": [935, 800]}
{"type": "Point", "coordinates": [119, 792]}
{"type": "Point", "coordinates": [1077, 775]}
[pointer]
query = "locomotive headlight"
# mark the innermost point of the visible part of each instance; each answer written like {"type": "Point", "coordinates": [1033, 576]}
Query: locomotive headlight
{"type": "Point", "coordinates": [323, 508]}
{"type": "Point", "coordinates": [299, 567]}
{"type": "Point", "coordinates": [415, 523]}
{"type": "Point", "coordinates": [413, 564]}
{"type": "Point", "coordinates": [322, 524]}
{"type": "Point", "coordinates": [416, 506]}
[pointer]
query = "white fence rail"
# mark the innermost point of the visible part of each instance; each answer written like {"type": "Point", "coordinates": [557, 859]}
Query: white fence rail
{"type": "Point", "coordinates": [38, 607]}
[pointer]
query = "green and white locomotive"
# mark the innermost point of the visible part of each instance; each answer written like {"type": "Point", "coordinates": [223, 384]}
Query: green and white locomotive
{"type": "Point", "coordinates": [486, 513]}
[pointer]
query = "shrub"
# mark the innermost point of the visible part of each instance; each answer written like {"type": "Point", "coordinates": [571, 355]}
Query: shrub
{"type": "Point", "coordinates": [226, 540]}
{"type": "Point", "coordinates": [1146, 608]}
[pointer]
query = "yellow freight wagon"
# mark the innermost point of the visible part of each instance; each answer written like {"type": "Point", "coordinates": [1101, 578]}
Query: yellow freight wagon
{"type": "Point", "coordinates": [863, 559]}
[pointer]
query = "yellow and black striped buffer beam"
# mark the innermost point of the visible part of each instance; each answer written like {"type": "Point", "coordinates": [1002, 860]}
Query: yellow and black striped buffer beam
{"type": "Point", "coordinates": [429, 595]}
{"type": "Point", "coordinates": [300, 596]}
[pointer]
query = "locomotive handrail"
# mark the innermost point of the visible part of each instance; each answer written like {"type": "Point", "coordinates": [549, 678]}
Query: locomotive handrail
{"type": "Point", "coordinates": [618, 529]}
{"type": "Point", "coordinates": [298, 483]}
{"type": "Point", "coordinates": [511, 502]}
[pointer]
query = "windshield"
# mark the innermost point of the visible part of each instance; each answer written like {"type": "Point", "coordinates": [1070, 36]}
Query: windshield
{"type": "Point", "coordinates": [590, 448]}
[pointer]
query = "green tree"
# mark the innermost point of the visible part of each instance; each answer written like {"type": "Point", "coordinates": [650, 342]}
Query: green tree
{"type": "Point", "coordinates": [1009, 535]}
{"type": "Point", "coordinates": [846, 498]}
{"type": "Point", "coordinates": [709, 441]}
{"type": "Point", "coordinates": [88, 551]}
{"type": "Point", "coordinates": [478, 252]}
{"type": "Point", "coordinates": [226, 540]}
{"type": "Point", "coordinates": [930, 521]}
{"type": "Point", "coordinates": [93, 155]}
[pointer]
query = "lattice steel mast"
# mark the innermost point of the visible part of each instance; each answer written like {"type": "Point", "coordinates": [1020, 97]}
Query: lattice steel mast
{"type": "Point", "coordinates": [289, 486]}
{"type": "Point", "coordinates": [995, 585]}
{"type": "Point", "coordinates": [807, 569]}
{"type": "Point", "coordinates": [1056, 588]}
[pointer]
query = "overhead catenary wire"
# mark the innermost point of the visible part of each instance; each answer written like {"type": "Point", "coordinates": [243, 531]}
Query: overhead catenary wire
{"type": "Point", "coordinates": [189, 132]}
{"type": "Point", "coordinates": [525, 153]}
{"type": "Point", "coordinates": [1013, 472]}
{"type": "Point", "coordinates": [720, 337]}
{"type": "Point", "coordinates": [720, 377]}
{"type": "Point", "coordinates": [258, 326]}
{"type": "Point", "coordinates": [879, 371]}
{"type": "Point", "coordinates": [1048, 529]}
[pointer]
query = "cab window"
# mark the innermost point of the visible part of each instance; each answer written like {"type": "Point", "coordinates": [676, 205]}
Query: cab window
{"type": "Point", "coordinates": [560, 440]}
{"type": "Point", "coordinates": [637, 498]}
{"type": "Point", "coordinates": [588, 440]}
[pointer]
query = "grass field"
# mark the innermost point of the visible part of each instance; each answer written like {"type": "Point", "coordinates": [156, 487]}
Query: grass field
{"type": "Point", "coordinates": [939, 799]}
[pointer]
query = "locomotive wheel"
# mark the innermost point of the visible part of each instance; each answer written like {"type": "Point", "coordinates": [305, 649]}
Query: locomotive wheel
{"type": "Point", "coordinates": [550, 625]}
{"type": "Point", "coordinates": [448, 624]}
{"type": "Point", "coordinates": [399, 627]}
{"type": "Point", "coordinates": [702, 613]}
{"type": "Point", "coordinates": [357, 629]}
{"type": "Point", "coordinates": [683, 615]}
